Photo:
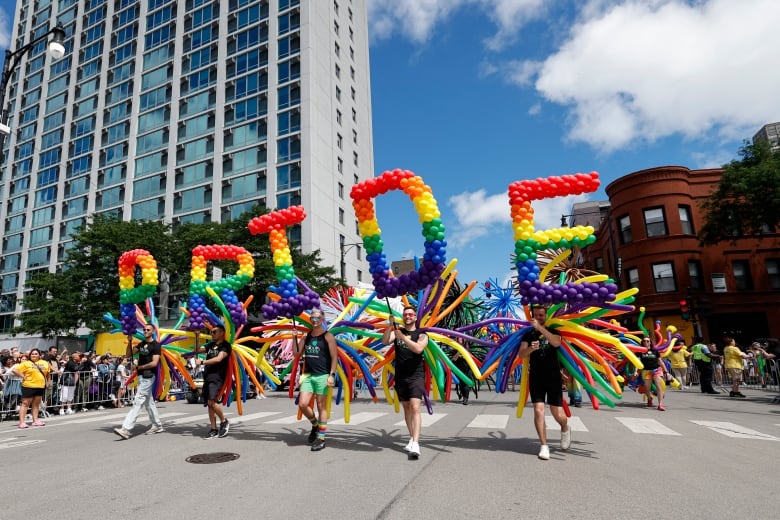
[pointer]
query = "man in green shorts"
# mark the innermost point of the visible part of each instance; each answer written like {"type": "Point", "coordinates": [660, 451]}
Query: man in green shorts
{"type": "Point", "coordinates": [319, 372]}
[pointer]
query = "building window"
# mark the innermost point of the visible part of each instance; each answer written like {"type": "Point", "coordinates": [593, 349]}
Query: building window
{"type": "Point", "coordinates": [663, 277]}
{"type": "Point", "coordinates": [696, 275]}
{"type": "Point", "coordinates": [340, 165]}
{"type": "Point", "coordinates": [341, 191]}
{"type": "Point", "coordinates": [338, 71]}
{"type": "Point", "coordinates": [600, 264]}
{"type": "Point", "coordinates": [359, 275]}
{"type": "Point", "coordinates": [686, 224]}
{"type": "Point", "coordinates": [655, 223]}
{"type": "Point", "coordinates": [632, 277]}
{"type": "Point", "coordinates": [338, 94]}
{"type": "Point", "coordinates": [355, 158]}
{"type": "Point", "coordinates": [773, 273]}
{"type": "Point", "coordinates": [341, 216]}
{"type": "Point", "coordinates": [742, 278]}
{"type": "Point", "coordinates": [337, 49]}
{"type": "Point", "coordinates": [624, 223]}
{"type": "Point", "coordinates": [338, 116]}
{"type": "Point", "coordinates": [339, 141]}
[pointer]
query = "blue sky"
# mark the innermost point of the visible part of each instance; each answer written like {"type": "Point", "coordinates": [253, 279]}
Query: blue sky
{"type": "Point", "coordinates": [473, 95]}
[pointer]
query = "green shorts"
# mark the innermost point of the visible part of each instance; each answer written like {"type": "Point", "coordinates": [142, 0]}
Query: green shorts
{"type": "Point", "coordinates": [314, 383]}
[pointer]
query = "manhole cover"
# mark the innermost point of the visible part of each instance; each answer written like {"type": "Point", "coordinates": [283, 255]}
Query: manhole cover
{"type": "Point", "coordinates": [212, 458]}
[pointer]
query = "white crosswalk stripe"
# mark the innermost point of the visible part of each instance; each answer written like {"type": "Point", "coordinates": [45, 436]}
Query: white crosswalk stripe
{"type": "Point", "coordinates": [650, 426]}
{"type": "Point", "coordinates": [198, 415]}
{"type": "Point", "coordinates": [359, 418]}
{"type": "Point", "coordinates": [427, 419]}
{"type": "Point", "coordinates": [489, 421]}
{"type": "Point", "coordinates": [575, 424]}
{"type": "Point", "coordinates": [291, 419]}
{"type": "Point", "coordinates": [734, 430]}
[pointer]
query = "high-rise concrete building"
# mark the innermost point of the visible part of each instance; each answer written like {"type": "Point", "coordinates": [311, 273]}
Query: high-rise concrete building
{"type": "Point", "coordinates": [769, 133]}
{"type": "Point", "coordinates": [189, 111]}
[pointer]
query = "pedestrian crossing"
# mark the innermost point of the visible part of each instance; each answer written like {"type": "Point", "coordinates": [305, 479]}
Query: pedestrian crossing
{"type": "Point", "coordinates": [479, 422]}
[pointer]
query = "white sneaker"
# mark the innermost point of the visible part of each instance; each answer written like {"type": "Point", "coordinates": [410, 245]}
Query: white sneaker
{"type": "Point", "coordinates": [62, 411]}
{"type": "Point", "coordinates": [69, 411]}
{"type": "Point", "coordinates": [408, 446]}
{"type": "Point", "coordinates": [414, 450]}
{"type": "Point", "coordinates": [544, 452]}
{"type": "Point", "coordinates": [101, 407]}
{"type": "Point", "coordinates": [566, 439]}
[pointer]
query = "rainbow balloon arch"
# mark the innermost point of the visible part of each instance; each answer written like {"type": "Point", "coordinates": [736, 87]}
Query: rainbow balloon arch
{"type": "Point", "coordinates": [596, 351]}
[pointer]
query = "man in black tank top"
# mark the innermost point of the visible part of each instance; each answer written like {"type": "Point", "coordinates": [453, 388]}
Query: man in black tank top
{"type": "Point", "coordinates": [409, 373]}
{"type": "Point", "coordinates": [319, 372]}
{"type": "Point", "coordinates": [539, 347]}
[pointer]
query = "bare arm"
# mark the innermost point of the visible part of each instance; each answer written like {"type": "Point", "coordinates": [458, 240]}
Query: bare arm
{"type": "Point", "coordinates": [152, 364]}
{"type": "Point", "coordinates": [415, 346]}
{"type": "Point", "coordinates": [389, 335]}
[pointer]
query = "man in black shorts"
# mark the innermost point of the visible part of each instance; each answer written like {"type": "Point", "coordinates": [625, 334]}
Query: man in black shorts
{"type": "Point", "coordinates": [409, 373]}
{"type": "Point", "coordinates": [538, 345]}
{"type": "Point", "coordinates": [215, 371]}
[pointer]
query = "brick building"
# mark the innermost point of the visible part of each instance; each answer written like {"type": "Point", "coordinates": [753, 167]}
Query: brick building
{"type": "Point", "coordinates": [647, 239]}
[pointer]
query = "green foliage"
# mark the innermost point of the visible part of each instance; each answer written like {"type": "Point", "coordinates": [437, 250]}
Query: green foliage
{"type": "Point", "coordinates": [747, 199]}
{"type": "Point", "coordinates": [87, 285]}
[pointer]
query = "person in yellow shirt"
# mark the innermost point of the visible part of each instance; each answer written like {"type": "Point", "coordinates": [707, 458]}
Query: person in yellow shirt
{"type": "Point", "coordinates": [35, 376]}
{"type": "Point", "coordinates": [678, 358]}
{"type": "Point", "coordinates": [733, 364]}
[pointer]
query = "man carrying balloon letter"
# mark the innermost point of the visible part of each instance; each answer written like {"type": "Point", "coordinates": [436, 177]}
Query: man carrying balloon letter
{"type": "Point", "coordinates": [409, 373]}
{"type": "Point", "coordinates": [319, 372]}
{"type": "Point", "coordinates": [538, 346]}
{"type": "Point", "coordinates": [215, 369]}
{"type": "Point", "coordinates": [148, 359]}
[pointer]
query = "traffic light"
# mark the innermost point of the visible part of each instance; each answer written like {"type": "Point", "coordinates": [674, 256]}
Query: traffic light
{"type": "Point", "coordinates": [685, 310]}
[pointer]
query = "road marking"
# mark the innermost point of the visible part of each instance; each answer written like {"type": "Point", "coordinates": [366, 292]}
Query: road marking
{"type": "Point", "coordinates": [359, 418]}
{"type": "Point", "coordinates": [489, 421]}
{"type": "Point", "coordinates": [427, 419]}
{"type": "Point", "coordinates": [734, 430]}
{"type": "Point", "coordinates": [193, 418]}
{"type": "Point", "coordinates": [575, 424]}
{"type": "Point", "coordinates": [20, 443]}
{"type": "Point", "coordinates": [652, 426]}
{"type": "Point", "coordinates": [251, 417]}
{"type": "Point", "coordinates": [292, 419]}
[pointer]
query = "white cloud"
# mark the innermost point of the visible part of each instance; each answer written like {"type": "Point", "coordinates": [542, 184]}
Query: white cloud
{"type": "Point", "coordinates": [478, 214]}
{"type": "Point", "coordinates": [417, 19]}
{"type": "Point", "coordinates": [535, 109]}
{"type": "Point", "coordinates": [635, 70]}
{"type": "Point", "coordinates": [414, 19]}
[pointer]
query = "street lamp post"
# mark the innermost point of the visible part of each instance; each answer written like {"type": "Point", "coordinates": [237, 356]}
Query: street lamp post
{"type": "Point", "coordinates": [344, 248]}
{"type": "Point", "coordinates": [12, 60]}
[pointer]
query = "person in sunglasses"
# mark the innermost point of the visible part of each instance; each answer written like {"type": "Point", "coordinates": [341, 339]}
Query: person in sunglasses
{"type": "Point", "coordinates": [148, 359]}
{"type": "Point", "coordinates": [409, 373]}
{"type": "Point", "coordinates": [319, 372]}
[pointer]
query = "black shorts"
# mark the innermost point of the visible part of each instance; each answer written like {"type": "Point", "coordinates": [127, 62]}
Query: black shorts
{"type": "Point", "coordinates": [410, 389]}
{"type": "Point", "coordinates": [211, 387]}
{"type": "Point", "coordinates": [32, 392]}
{"type": "Point", "coordinates": [549, 387]}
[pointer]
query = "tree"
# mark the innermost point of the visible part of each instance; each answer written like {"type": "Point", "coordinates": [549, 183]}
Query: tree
{"type": "Point", "coordinates": [87, 285]}
{"type": "Point", "coordinates": [747, 199]}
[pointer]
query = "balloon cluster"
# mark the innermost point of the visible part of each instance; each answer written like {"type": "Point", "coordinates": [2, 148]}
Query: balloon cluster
{"type": "Point", "coordinates": [528, 241]}
{"type": "Point", "coordinates": [227, 286]}
{"type": "Point", "coordinates": [433, 229]}
{"type": "Point", "coordinates": [129, 294]}
{"type": "Point", "coordinates": [291, 303]}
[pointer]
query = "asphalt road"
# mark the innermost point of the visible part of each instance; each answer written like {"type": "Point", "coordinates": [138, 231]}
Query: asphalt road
{"type": "Point", "coordinates": [705, 457]}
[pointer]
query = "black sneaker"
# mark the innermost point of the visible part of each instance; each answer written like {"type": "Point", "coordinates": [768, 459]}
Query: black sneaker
{"type": "Point", "coordinates": [312, 434]}
{"type": "Point", "coordinates": [318, 445]}
{"type": "Point", "coordinates": [212, 434]}
{"type": "Point", "coordinates": [224, 428]}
